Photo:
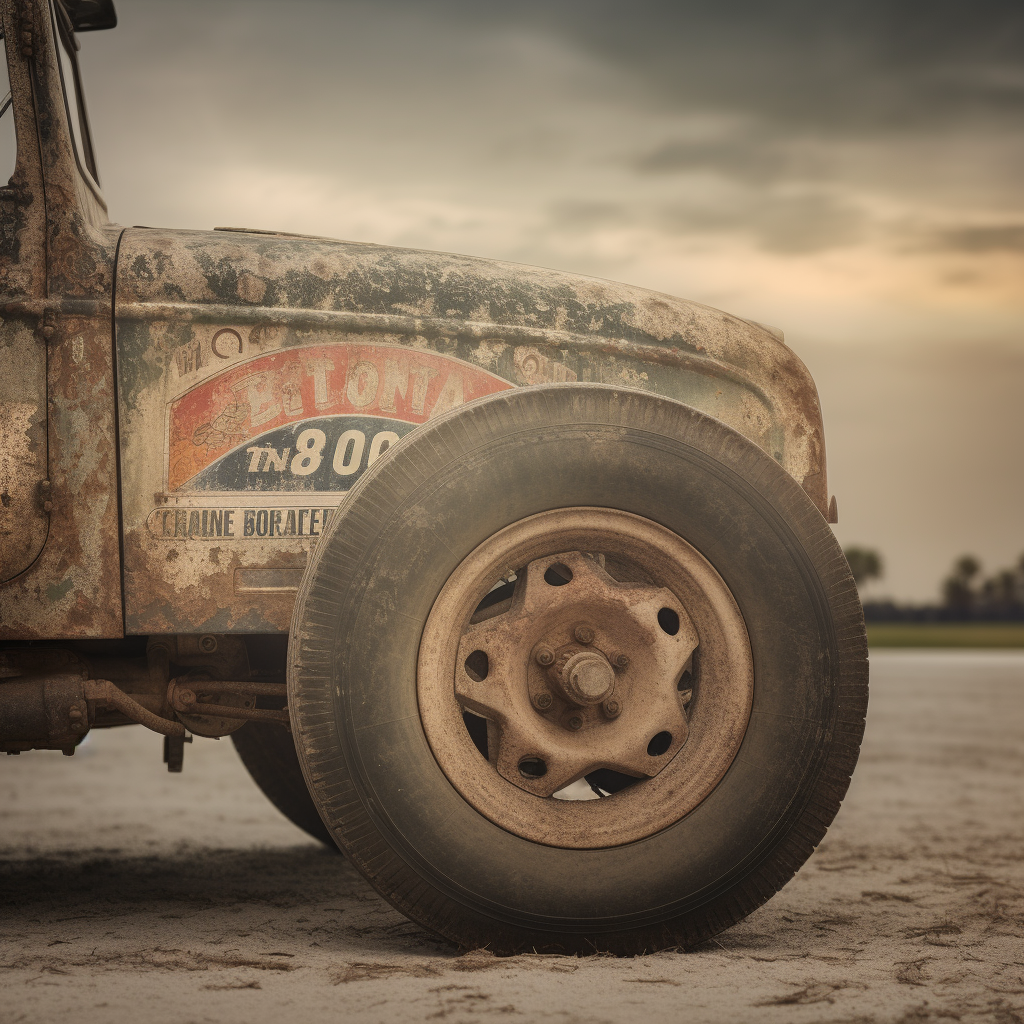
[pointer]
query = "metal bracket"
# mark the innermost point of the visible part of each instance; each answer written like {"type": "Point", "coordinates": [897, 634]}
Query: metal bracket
{"type": "Point", "coordinates": [183, 695]}
{"type": "Point", "coordinates": [47, 325]}
{"type": "Point", "coordinates": [174, 751]}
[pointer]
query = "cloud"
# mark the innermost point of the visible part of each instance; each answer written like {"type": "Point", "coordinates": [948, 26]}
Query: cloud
{"type": "Point", "coordinates": [754, 160]}
{"type": "Point", "coordinates": [1000, 238]}
{"type": "Point", "coordinates": [771, 123]}
{"type": "Point", "coordinates": [812, 222]}
{"type": "Point", "coordinates": [785, 222]}
{"type": "Point", "coordinates": [575, 214]}
{"type": "Point", "coordinates": [847, 65]}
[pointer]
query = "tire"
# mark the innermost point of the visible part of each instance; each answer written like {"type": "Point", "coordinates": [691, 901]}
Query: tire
{"type": "Point", "coordinates": [268, 753]}
{"type": "Point", "coordinates": [361, 661]}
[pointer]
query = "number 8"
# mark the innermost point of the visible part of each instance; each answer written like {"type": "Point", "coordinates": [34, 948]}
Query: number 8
{"type": "Point", "coordinates": [309, 446]}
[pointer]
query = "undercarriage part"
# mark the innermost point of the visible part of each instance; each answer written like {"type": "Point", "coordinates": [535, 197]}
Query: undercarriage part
{"type": "Point", "coordinates": [45, 713]}
{"type": "Point", "coordinates": [102, 691]}
{"type": "Point", "coordinates": [55, 712]}
{"type": "Point", "coordinates": [174, 751]}
{"type": "Point", "coordinates": [216, 707]}
{"type": "Point", "coordinates": [51, 697]}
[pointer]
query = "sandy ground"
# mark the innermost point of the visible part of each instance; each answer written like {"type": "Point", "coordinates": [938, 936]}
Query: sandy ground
{"type": "Point", "coordinates": [129, 894]}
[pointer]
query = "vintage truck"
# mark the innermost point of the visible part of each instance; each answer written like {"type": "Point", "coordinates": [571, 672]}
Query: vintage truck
{"type": "Point", "coordinates": [517, 586]}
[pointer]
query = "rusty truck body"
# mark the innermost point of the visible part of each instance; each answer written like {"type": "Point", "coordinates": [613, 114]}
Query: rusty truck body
{"type": "Point", "coordinates": [188, 422]}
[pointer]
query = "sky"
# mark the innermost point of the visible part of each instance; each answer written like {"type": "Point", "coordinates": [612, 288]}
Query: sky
{"type": "Point", "coordinates": [850, 172]}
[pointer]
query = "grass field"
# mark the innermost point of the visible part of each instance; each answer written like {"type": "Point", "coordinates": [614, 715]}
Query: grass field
{"type": "Point", "coordinates": [946, 634]}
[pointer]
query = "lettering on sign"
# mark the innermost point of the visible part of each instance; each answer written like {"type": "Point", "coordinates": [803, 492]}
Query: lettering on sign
{"type": "Point", "coordinates": [237, 523]}
{"type": "Point", "coordinates": [310, 418]}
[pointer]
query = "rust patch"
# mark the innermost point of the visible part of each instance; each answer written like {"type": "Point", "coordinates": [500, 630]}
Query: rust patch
{"type": "Point", "coordinates": [73, 587]}
{"type": "Point", "coordinates": [246, 424]}
{"type": "Point", "coordinates": [57, 274]}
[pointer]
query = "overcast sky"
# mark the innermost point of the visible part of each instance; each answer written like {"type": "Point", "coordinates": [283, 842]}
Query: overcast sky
{"type": "Point", "coordinates": [848, 171]}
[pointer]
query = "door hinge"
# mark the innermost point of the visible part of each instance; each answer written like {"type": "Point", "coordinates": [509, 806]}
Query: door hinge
{"type": "Point", "coordinates": [15, 194]}
{"type": "Point", "coordinates": [26, 27]}
{"type": "Point", "coordinates": [45, 493]}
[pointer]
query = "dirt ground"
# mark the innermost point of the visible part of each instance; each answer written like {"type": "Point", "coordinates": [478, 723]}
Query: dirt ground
{"type": "Point", "coordinates": [129, 894]}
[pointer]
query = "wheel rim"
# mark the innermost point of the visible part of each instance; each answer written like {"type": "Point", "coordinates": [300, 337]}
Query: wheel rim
{"type": "Point", "coordinates": [591, 665]}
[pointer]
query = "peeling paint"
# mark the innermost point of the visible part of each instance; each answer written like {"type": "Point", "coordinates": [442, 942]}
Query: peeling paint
{"type": "Point", "coordinates": [56, 591]}
{"type": "Point", "coordinates": [245, 424]}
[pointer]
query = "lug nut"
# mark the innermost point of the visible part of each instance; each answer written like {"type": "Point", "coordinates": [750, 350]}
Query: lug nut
{"type": "Point", "coordinates": [575, 723]}
{"type": "Point", "coordinates": [584, 635]}
{"type": "Point", "coordinates": [542, 701]}
{"type": "Point", "coordinates": [621, 661]}
{"type": "Point", "coordinates": [545, 656]}
{"type": "Point", "coordinates": [186, 697]}
{"type": "Point", "coordinates": [612, 708]}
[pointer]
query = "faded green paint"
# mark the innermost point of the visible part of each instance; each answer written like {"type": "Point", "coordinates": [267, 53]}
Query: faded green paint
{"type": "Point", "coordinates": [56, 591]}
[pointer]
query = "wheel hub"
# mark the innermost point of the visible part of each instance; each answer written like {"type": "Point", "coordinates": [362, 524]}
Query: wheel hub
{"type": "Point", "coordinates": [566, 697]}
{"type": "Point", "coordinates": [586, 678]}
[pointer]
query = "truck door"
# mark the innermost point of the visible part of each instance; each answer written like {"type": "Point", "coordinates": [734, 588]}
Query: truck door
{"type": "Point", "coordinates": [24, 521]}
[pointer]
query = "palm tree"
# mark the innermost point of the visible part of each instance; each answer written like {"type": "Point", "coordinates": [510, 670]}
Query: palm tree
{"type": "Point", "coordinates": [865, 564]}
{"type": "Point", "coordinates": [957, 591]}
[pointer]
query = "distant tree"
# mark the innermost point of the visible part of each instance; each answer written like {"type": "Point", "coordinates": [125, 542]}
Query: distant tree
{"type": "Point", "coordinates": [865, 564]}
{"type": "Point", "coordinates": [1000, 589]}
{"type": "Point", "coordinates": [1003, 594]}
{"type": "Point", "coordinates": [957, 589]}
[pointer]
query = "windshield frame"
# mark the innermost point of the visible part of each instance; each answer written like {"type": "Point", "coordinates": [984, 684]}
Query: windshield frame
{"type": "Point", "coordinates": [7, 119]}
{"type": "Point", "coordinates": [66, 44]}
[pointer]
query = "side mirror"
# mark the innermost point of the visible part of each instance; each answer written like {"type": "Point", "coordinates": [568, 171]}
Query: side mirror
{"type": "Point", "coordinates": [90, 15]}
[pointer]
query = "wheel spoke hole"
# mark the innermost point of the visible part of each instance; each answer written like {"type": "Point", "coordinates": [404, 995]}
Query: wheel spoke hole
{"type": "Point", "coordinates": [477, 666]}
{"type": "Point", "coordinates": [532, 768]}
{"type": "Point", "coordinates": [659, 744]}
{"type": "Point", "coordinates": [496, 601]}
{"type": "Point", "coordinates": [669, 621]}
{"type": "Point", "coordinates": [558, 575]}
{"type": "Point", "coordinates": [607, 782]}
{"type": "Point", "coordinates": [477, 729]}
{"type": "Point", "coordinates": [687, 682]}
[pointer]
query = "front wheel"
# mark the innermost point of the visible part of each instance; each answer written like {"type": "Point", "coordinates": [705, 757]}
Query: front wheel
{"type": "Point", "coordinates": [577, 668]}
